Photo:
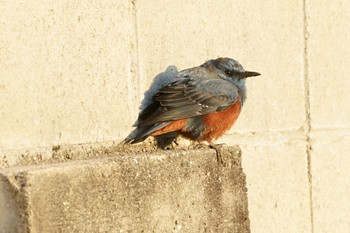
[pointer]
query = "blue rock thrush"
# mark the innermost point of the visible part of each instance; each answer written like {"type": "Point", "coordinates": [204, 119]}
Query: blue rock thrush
{"type": "Point", "coordinates": [202, 104]}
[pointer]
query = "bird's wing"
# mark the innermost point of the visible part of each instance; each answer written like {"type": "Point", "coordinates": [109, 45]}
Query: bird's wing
{"type": "Point", "coordinates": [189, 97]}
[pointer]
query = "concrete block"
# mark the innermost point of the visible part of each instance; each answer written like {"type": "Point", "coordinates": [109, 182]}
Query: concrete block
{"type": "Point", "coordinates": [330, 181]}
{"type": "Point", "coordinates": [264, 36]}
{"type": "Point", "coordinates": [66, 72]}
{"type": "Point", "coordinates": [329, 58]}
{"type": "Point", "coordinates": [277, 180]}
{"type": "Point", "coordinates": [159, 191]}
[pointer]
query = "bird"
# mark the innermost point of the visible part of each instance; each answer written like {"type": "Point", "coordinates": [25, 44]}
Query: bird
{"type": "Point", "coordinates": [201, 104]}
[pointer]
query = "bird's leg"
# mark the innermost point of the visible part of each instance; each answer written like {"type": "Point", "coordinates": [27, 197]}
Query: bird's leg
{"type": "Point", "coordinates": [217, 148]}
{"type": "Point", "coordinates": [167, 141]}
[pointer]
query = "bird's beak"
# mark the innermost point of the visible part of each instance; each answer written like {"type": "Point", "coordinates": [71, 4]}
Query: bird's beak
{"type": "Point", "coordinates": [247, 74]}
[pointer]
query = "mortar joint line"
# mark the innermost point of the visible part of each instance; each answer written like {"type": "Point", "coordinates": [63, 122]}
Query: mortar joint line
{"type": "Point", "coordinates": [307, 124]}
{"type": "Point", "coordinates": [137, 51]}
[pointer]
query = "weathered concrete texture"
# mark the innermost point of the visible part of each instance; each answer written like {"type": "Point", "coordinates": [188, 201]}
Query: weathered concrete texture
{"type": "Point", "coordinates": [60, 153]}
{"type": "Point", "coordinates": [330, 181]}
{"type": "Point", "coordinates": [277, 180]}
{"type": "Point", "coordinates": [329, 59]}
{"type": "Point", "coordinates": [167, 191]}
{"type": "Point", "coordinates": [66, 72]}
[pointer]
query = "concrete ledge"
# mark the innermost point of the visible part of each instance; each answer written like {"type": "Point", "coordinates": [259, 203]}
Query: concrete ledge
{"type": "Point", "coordinates": [158, 191]}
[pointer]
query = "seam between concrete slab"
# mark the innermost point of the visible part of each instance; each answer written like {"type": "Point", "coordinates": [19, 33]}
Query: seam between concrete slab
{"type": "Point", "coordinates": [137, 51]}
{"type": "Point", "coordinates": [133, 75]}
{"type": "Point", "coordinates": [307, 124]}
{"type": "Point", "coordinates": [268, 132]}
{"type": "Point", "coordinates": [331, 129]}
{"type": "Point", "coordinates": [265, 132]}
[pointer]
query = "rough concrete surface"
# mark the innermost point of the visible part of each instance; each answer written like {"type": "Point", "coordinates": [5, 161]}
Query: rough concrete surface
{"type": "Point", "coordinates": [63, 69]}
{"type": "Point", "coordinates": [162, 191]}
{"type": "Point", "coordinates": [331, 179]}
{"type": "Point", "coordinates": [328, 61]}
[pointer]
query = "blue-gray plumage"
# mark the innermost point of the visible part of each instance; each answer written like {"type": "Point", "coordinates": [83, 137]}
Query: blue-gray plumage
{"type": "Point", "coordinates": [201, 104]}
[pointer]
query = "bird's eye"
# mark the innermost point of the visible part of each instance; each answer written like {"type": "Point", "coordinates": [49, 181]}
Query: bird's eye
{"type": "Point", "coordinates": [229, 72]}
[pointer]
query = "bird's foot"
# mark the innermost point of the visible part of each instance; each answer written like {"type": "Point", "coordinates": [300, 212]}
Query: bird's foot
{"type": "Point", "coordinates": [218, 148]}
{"type": "Point", "coordinates": [198, 145]}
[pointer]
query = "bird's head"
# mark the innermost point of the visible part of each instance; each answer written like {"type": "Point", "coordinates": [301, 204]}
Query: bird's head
{"type": "Point", "coordinates": [230, 68]}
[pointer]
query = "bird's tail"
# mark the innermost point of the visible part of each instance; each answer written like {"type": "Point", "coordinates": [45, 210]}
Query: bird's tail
{"type": "Point", "coordinates": [142, 132]}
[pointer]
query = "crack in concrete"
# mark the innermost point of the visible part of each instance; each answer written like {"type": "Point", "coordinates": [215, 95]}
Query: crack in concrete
{"type": "Point", "coordinates": [307, 124]}
{"type": "Point", "coordinates": [133, 63]}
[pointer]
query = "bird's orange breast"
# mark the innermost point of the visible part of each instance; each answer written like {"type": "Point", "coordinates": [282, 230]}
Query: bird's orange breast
{"type": "Point", "coordinates": [216, 124]}
{"type": "Point", "coordinates": [172, 127]}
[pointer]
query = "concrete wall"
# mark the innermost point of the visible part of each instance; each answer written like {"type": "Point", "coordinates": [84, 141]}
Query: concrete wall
{"type": "Point", "coordinates": [75, 71]}
{"type": "Point", "coordinates": [134, 191]}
